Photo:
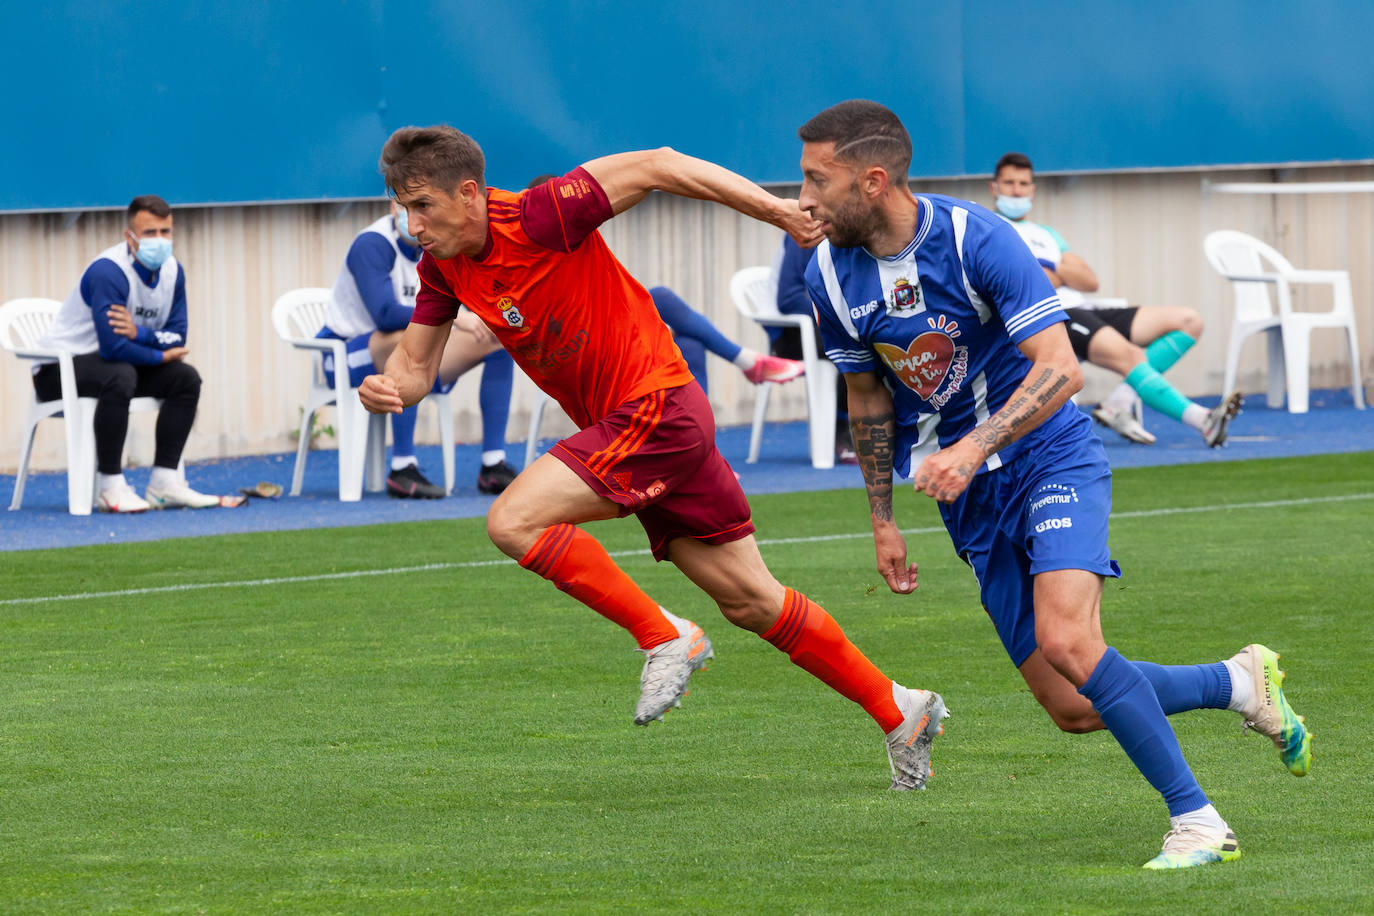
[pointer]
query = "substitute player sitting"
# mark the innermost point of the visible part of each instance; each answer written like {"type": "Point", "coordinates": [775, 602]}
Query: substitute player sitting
{"type": "Point", "coordinates": [1140, 343]}
{"type": "Point", "coordinates": [534, 267]}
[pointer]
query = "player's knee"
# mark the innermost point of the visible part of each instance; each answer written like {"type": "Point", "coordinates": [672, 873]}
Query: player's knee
{"type": "Point", "coordinates": [506, 531]}
{"type": "Point", "coordinates": [119, 384]}
{"type": "Point", "coordinates": [186, 380]}
{"type": "Point", "coordinates": [1192, 324]}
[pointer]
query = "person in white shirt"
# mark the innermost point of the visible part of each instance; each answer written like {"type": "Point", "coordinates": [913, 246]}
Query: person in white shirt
{"type": "Point", "coordinates": [126, 324]}
{"type": "Point", "coordinates": [1138, 342]}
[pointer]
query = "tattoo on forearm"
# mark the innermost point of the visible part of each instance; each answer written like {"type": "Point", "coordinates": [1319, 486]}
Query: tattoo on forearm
{"type": "Point", "coordinates": [873, 443]}
{"type": "Point", "coordinates": [1016, 419]}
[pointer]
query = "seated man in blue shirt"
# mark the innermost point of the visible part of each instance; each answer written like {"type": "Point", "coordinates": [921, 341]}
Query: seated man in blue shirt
{"type": "Point", "coordinates": [126, 324]}
{"type": "Point", "coordinates": [373, 298]}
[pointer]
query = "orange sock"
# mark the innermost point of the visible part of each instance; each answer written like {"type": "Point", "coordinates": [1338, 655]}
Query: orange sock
{"type": "Point", "coordinates": [574, 561]}
{"type": "Point", "coordinates": [815, 643]}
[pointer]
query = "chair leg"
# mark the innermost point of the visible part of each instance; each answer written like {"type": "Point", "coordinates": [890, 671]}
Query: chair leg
{"type": "Point", "coordinates": [375, 472]}
{"type": "Point", "coordinates": [446, 443]}
{"type": "Point", "coordinates": [820, 406]}
{"type": "Point", "coordinates": [25, 450]}
{"type": "Point", "coordinates": [302, 448]}
{"type": "Point", "coordinates": [761, 395]}
{"type": "Point", "coordinates": [81, 466]}
{"type": "Point", "coordinates": [353, 426]}
{"type": "Point", "coordinates": [1233, 349]}
{"type": "Point", "coordinates": [1278, 378]}
{"type": "Point", "coordinates": [1296, 345]}
{"type": "Point", "coordinates": [1356, 383]}
{"type": "Point", "coordinates": [536, 418]}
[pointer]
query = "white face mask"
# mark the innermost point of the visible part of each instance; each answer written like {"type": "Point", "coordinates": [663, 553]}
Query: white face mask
{"type": "Point", "coordinates": [1013, 207]}
{"type": "Point", "coordinates": [403, 228]}
{"type": "Point", "coordinates": [153, 252]}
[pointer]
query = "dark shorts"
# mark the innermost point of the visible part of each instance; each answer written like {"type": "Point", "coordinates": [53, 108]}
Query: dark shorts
{"type": "Point", "coordinates": [656, 457]}
{"type": "Point", "coordinates": [1047, 510]}
{"type": "Point", "coordinates": [1084, 323]}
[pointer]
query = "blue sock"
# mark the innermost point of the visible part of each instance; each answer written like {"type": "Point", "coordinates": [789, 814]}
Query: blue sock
{"type": "Point", "coordinates": [498, 374]}
{"type": "Point", "coordinates": [695, 354]}
{"type": "Point", "coordinates": [403, 432]}
{"type": "Point", "coordinates": [1131, 711]}
{"type": "Point", "coordinates": [688, 322]}
{"type": "Point", "coordinates": [1184, 687]}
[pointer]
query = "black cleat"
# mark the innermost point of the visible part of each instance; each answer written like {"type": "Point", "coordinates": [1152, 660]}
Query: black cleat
{"type": "Point", "coordinates": [494, 478]}
{"type": "Point", "coordinates": [409, 483]}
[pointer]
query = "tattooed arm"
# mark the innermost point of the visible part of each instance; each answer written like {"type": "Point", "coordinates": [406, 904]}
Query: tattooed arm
{"type": "Point", "coordinates": [1053, 378]}
{"type": "Point", "coordinates": [872, 421]}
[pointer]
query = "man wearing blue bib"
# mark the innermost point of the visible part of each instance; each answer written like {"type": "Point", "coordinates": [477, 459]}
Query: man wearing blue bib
{"type": "Point", "coordinates": [952, 343]}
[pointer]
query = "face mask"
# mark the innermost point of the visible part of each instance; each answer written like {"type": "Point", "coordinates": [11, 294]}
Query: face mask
{"type": "Point", "coordinates": [403, 228]}
{"type": "Point", "coordinates": [153, 252]}
{"type": "Point", "coordinates": [1013, 207]}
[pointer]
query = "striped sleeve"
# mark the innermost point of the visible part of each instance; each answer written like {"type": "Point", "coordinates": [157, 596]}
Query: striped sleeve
{"type": "Point", "coordinates": [1005, 273]}
{"type": "Point", "coordinates": [839, 337]}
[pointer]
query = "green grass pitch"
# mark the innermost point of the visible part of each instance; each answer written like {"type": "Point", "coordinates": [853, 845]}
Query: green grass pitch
{"type": "Point", "coordinates": [458, 739]}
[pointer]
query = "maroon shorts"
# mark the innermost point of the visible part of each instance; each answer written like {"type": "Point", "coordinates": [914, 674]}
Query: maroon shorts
{"type": "Point", "coordinates": [656, 457]}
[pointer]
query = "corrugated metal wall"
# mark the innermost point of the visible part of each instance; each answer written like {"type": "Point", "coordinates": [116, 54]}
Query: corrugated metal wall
{"type": "Point", "coordinates": [1142, 233]}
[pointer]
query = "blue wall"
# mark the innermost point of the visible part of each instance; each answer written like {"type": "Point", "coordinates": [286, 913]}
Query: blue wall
{"type": "Point", "coordinates": [217, 102]}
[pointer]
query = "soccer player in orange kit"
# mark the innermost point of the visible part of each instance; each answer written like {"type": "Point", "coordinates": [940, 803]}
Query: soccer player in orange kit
{"type": "Point", "coordinates": [533, 267]}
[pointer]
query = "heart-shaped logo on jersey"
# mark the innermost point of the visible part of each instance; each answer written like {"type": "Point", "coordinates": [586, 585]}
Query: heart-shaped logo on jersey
{"type": "Point", "coordinates": [923, 364]}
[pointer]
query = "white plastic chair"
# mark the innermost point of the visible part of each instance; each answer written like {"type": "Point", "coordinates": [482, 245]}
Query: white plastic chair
{"type": "Point", "coordinates": [22, 323]}
{"type": "Point", "coordinates": [754, 292]}
{"type": "Point", "coordinates": [542, 400]}
{"type": "Point", "coordinates": [298, 316]}
{"type": "Point", "coordinates": [1241, 259]}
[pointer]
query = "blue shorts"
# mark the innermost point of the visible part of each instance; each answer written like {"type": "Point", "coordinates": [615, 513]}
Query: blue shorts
{"type": "Point", "coordinates": [360, 363]}
{"type": "Point", "coordinates": [1046, 510]}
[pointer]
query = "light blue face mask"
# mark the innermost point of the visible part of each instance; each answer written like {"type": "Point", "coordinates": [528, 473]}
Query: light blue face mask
{"type": "Point", "coordinates": [403, 229]}
{"type": "Point", "coordinates": [153, 252]}
{"type": "Point", "coordinates": [1013, 207]}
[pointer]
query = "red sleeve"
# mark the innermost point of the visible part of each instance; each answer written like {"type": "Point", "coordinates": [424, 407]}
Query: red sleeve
{"type": "Point", "coordinates": [561, 212]}
{"type": "Point", "coordinates": [435, 303]}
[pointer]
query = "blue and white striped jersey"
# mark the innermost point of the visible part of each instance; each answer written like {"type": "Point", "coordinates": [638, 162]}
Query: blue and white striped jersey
{"type": "Point", "coordinates": [939, 323]}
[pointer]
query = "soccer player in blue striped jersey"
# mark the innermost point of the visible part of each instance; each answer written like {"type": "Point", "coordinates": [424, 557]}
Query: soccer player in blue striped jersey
{"type": "Point", "coordinates": [959, 369]}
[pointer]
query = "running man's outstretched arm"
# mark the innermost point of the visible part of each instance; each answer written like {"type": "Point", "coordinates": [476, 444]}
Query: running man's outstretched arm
{"type": "Point", "coordinates": [873, 423]}
{"type": "Point", "coordinates": [627, 178]}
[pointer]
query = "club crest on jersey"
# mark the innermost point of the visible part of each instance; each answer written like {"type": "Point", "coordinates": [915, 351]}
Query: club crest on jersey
{"type": "Point", "coordinates": [932, 365]}
{"type": "Point", "coordinates": [509, 312]}
{"type": "Point", "coordinates": [905, 298]}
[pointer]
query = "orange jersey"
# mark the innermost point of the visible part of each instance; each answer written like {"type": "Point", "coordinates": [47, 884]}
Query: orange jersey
{"type": "Point", "coordinates": [557, 299]}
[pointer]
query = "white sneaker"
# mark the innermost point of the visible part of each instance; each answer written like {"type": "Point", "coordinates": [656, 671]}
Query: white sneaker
{"type": "Point", "coordinates": [1219, 418]}
{"type": "Point", "coordinates": [1187, 846]}
{"type": "Point", "coordinates": [1124, 423]}
{"type": "Point", "coordinates": [667, 666]}
{"type": "Point", "coordinates": [178, 495]}
{"type": "Point", "coordinates": [908, 745]}
{"type": "Point", "coordinates": [120, 498]}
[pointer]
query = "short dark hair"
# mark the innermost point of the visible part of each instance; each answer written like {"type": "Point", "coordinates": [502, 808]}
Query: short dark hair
{"type": "Point", "coordinates": [537, 180]}
{"type": "Point", "coordinates": [1015, 160]}
{"type": "Point", "coordinates": [864, 133]}
{"type": "Point", "coordinates": [440, 155]}
{"type": "Point", "coordinates": [149, 203]}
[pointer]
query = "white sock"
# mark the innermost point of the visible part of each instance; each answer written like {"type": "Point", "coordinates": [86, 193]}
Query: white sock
{"type": "Point", "coordinates": [495, 456]}
{"type": "Point", "coordinates": [1242, 688]}
{"type": "Point", "coordinates": [401, 462]}
{"type": "Point", "coordinates": [163, 477]}
{"type": "Point", "coordinates": [110, 481]}
{"type": "Point", "coordinates": [1195, 415]}
{"type": "Point", "coordinates": [1121, 398]}
{"type": "Point", "coordinates": [746, 358]}
{"type": "Point", "coordinates": [1206, 817]}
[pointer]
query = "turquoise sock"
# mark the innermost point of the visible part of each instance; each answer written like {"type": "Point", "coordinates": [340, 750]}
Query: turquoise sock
{"type": "Point", "coordinates": [1168, 349]}
{"type": "Point", "coordinates": [1157, 392]}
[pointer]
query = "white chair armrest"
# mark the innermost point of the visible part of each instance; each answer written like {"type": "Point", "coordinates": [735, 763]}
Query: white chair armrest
{"type": "Point", "coordinates": [1256, 278]}
{"type": "Point", "coordinates": [1317, 276]}
{"type": "Point", "coordinates": [36, 353]}
{"type": "Point", "coordinates": [1107, 302]}
{"type": "Point", "coordinates": [780, 320]}
{"type": "Point", "coordinates": [324, 344]}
